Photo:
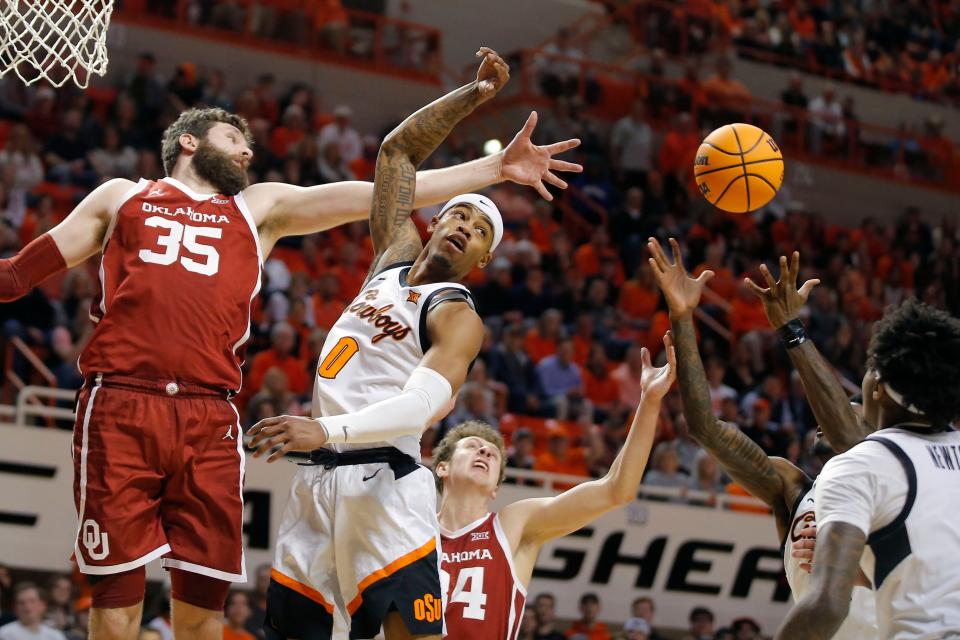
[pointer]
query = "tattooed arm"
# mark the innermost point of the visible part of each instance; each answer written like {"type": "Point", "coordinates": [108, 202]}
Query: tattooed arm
{"type": "Point", "coordinates": [395, 237]}
{"type": "Point", "coordinates": [835, 566]}
{"type": "Point", "coordinates": [774, 481]}
{"type": "Point", "coordinates": [782, 301]}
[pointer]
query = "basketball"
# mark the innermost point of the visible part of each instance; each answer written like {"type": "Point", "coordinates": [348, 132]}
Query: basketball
{"type": "Point", "coordinates": [739, 168]}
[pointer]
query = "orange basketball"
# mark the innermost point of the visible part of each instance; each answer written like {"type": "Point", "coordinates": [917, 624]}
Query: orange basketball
{"type": "Point", "coordinates": [739, 168]}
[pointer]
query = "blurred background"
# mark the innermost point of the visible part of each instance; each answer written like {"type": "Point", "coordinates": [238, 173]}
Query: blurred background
{"type": "Point", "coordinates": [861, 95]}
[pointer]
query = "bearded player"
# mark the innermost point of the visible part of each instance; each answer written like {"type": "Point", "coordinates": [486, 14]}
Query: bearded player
{"type": "Point", "coordinates": [784, 487]}
{"type": "Point", "coordinates": [359, 535]}
{"type": "Point", "coordinates": [488, 558]}
{"type": "Point", "coordinates": [157, 466]}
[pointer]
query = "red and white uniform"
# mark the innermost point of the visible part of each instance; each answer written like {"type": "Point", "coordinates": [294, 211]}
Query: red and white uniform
{"type": "Point", "coordinates": [157, 450]}
{"type": "Point", "coordinates": [178, 274]}
{"type": "Point", "coordinates": [484, 598]}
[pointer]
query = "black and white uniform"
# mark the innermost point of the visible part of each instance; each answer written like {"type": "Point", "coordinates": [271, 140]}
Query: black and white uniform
{"type": "Point", "coordinates": [361, 537]}
{"type": "Point", "coordinates": [861, 622]}
{"type": "Point", "coordinates": [901, 487]}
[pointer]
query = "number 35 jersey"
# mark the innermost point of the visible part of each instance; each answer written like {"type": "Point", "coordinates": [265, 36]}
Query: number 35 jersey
{"type": "Point", "coordinates": [178, 274]}
{"type": "Point", "coordinates": [376, 344]}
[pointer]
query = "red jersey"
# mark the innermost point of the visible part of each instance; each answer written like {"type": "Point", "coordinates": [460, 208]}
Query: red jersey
{"type": "Point", "coordinates": [178, 274]}
{"type": "Point", "coordinates": [484, 597]}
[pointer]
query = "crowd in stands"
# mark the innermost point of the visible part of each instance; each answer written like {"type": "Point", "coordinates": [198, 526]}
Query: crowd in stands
{"type": "Point", "coordinates": [568, 301]}
{"type": "Point", "coordinates": [59, 609]}
{"type": "Point", "coordinates": [910, 46]}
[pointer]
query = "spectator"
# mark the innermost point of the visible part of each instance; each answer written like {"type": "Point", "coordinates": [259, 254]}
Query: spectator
{"type": "Point", "coordinates": [599, 386]}
{"type": "Point", "coordinates": [290, 132]}
{"type": "Point", "coordinates": [559, 67]}
{"type": "Point", "coordinates": [588, 627]}
{"type": "Point", "coordinates": [20, 157]}
{"type": "Point", "coordinates": [341, 133]}
{"type": "Point", "coordinates": [826, 119]}
{"type": "Point", "coordinates": [30, 606]}
{"type": "Point", "coordinates": [665, 468]}
{"type": "Point", "coordinates": [146, 90]}
{"type": "Point", "coordinates": [701, 624]}
{"type": "Point", "coordinates": [728, 97]}
{"type": "Point", "coordinates": [627, 376]}
{"type": "Point", "coordinates": [746, 629]}
{"type": "Point", "coordinates": [544, 605]}
{"type": "Point", "coordinates": [60, 603]}
{"type": "Point", "coordinates": [528, 624]}
{"type": "Point", "coordinates": [520, 454]}
{"type": "Point", "coordinates": [637, 629]}
{"type": "Point", "coordinates": [560, 457]}
{"type": "Point", "coordinates": [561, 380]}
{"type": "Point", "coordinates": [474, 403]}
{"type": "Point", "coordinates": [114, 159]}
{"type": "Point", "coordinates": [706, 479]}
{"type": "Point", "coordinates": [765, 433]}
{"type": "Point", "coordinates": [542, 340]}
{"type": "Point", "coordinates": [331, 165]}
{"type": "Point", "coordinates": [510, 364]}
{"type": "Point", "coordinates": [280, 355]}
{"type": "Point", "coordinates": [258, 601]}
{"type": "Point", "coordinates": [631, 147]}
{"type": "Point", "coordinates": [66, 152]}
{"type": "Point", "coordinates": [645, 608]}
{"type": "Point", "coordinates": [236, 616]}
{"type": "Point", "coordinates": [719, 392]}
{"type": "Point", "coordinates": [272, 399]}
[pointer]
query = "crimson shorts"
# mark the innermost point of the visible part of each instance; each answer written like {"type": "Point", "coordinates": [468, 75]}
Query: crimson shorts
{"type": "Point", "coordinates": [158, 472]}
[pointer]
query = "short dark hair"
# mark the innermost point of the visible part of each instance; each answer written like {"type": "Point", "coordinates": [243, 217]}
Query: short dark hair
{"type": "Point", "coordinates": [27, 586]}
{"type": "Point", "coordinates": [444, 451]}
{"type": "Point", "coordinates": [196, 122]}
{"type": "Point", "coordinates": [589, 597]}
{"type": "Point", "coordinates": [647, 599]}
{"type": "Point", "coordinates": [546, 595]}
{"type": "Point", "coordinates": [915, 349]}
{"type": "Point", "coordinates": [700, 611]}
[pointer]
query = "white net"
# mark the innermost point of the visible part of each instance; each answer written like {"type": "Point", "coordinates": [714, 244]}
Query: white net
{"type": "Point", "coordinates": [55, 40]}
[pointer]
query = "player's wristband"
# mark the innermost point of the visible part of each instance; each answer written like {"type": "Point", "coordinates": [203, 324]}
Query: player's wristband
{"type": "Point", "coordinates": [792, 334]}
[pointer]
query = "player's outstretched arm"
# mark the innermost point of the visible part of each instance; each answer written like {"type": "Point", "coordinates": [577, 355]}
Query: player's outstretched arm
{"type": "Point", "coordinates": [78, 237]}
{"type": "Point", "coordinates": [456, 333]}
{"type": "Point", "coordinates": [782, 302]}
{"type": "Point", "coordinates": [740, 457]}
{"type": "Point", "coordinates": [537, 520]}
{"type": "Point", "coordinates": [820, 613]}
{"type": "Point", "coordinates": [395, 237]}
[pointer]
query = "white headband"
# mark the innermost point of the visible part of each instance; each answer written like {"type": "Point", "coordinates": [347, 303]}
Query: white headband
{"type": "Point", "coordinates": [898, 398]}
{"type": "Point", "coordinates": [485, 205]}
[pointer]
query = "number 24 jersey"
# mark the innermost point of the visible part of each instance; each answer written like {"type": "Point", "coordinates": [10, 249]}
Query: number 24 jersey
{"type": "Point", "coordinates": [484, 598]}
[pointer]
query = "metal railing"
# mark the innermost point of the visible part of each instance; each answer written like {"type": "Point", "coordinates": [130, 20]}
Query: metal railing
{"type": "Point", "coordinates": [346, 36]}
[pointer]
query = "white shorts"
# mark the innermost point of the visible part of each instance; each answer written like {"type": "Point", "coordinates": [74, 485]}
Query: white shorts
{"type": "Point", "coordinates": [361, 539]}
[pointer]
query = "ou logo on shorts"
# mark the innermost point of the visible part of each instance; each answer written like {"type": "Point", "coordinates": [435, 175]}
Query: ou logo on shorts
{"type": "Point", "coordinates": [92, 538]}
{"type": "Point", "coordinates": [428, 608]}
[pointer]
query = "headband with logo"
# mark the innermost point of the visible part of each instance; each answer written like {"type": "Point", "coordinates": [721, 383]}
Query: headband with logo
{"type": "Point", "coordinates": [485, 205]}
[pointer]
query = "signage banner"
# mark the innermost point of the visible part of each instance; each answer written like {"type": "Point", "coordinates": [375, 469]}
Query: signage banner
{"type": "Point", "coordinates": [681, 556]}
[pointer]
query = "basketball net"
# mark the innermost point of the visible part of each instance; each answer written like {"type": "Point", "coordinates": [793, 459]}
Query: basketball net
{"type": "Point", "coordinates": [54, 40]}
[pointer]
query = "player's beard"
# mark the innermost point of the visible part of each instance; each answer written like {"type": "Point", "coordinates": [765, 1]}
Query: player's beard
{"type": "Point", "coordinates": [217, 168]}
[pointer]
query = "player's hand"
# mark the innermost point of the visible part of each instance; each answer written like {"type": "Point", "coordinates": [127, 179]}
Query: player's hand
{"type": "Point", "coordinates": [289, 433]}
{"type": "Point", "coordinates": [526, 163]}
{"type": "Point", "coordinates": [493, 74]}
{"type": "Point", "coordinates": [656, 381]}
{"type": "Point", "coordinates": [804, 547]}
{"type": "Point", "coordinates": [681, 292]}
{"type": "Point", "coordinates": [782, 300]}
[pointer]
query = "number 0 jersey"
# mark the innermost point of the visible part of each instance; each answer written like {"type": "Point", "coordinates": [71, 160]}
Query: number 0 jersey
{"type": "Point", "coordinates": [484, 598]}
{"type": "Point", "coordinates": [178, 273]}
{"type": "Point", "coordinates": [375, 345]}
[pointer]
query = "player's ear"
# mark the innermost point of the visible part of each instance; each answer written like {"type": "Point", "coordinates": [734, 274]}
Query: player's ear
{"type": "Point", "coordinates": [434, 221]}
{"type": "Point", "coordinates": [485, 260]}
{"type": "Point", "coordinates": [188, 142]}
{"type": "Point", "coordinates": [442, 469]}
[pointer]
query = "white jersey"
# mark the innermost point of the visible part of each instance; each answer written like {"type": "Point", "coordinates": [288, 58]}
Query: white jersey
{"type": "Point", "coordinates": [902, 489]}
{"type": "Point", "coordinates": [375, 345]}
{"type": "Point", "coordinates": [861, 622]}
